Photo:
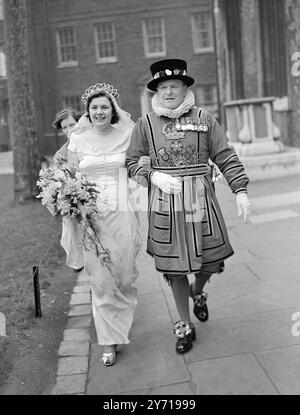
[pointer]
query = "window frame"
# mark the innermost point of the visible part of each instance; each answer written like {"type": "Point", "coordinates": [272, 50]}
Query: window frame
{"type": "Point", "coordinates": [107, 59]}
{"type": "Point", "coordinates": [212, 105]}
{"type": "Point", "coordinates": [146, 37]}
{"type": "Point", "coordinates": [77, 107]}
{"type": "Point", "coordinates": [70, 63]}
{"type": "Point", "coordinates": [196, 32]}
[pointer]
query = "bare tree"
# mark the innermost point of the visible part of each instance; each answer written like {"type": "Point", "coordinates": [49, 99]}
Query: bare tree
{"type": "Point", "coordinates": [21, 102]}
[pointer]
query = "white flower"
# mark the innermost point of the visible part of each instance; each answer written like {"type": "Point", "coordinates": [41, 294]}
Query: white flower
{"type": "Point", "coordinates": [66, 191]}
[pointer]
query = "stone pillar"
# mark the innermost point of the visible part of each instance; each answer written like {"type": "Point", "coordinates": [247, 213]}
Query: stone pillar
{"type": "Point", "coordinates": [221, 48]}
{"type": "Point", "coordinates": [252, 72]}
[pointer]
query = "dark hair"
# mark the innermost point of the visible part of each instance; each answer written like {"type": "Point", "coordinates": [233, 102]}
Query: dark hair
{"type": "Point", "coordinates": [115, 116]}
{"type": "Point", "coordinates": [63, 114]}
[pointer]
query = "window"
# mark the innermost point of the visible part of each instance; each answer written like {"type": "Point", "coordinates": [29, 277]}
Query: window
{"type": "Point", "coordinates": [66, 46]}
{"type": "Point", "coordinates": [202, 32]}
{"type": "Point", "coordinates": [1, 9]}
{"type": "Point", "coordinates": [206, 96]}
{"type": "Point", "coordinates": [72, 102]}
{"type": "Point", "coordinates": [3, 71]}
{"type": "Point", "coordinates": [154, 37]}
{"type": "Point", "coordinates": [105, 39]}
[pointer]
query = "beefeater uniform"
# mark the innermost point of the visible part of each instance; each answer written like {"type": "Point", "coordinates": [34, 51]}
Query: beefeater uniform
{"type": "Point", "coordinates": [186, 230]}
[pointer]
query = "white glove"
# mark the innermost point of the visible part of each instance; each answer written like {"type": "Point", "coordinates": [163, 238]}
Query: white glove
{"type": "Point", "coordinates": [166, 183]}
{"type": "Point", "coordinates": [144, 161]}
{"type": "Point", "coordinates": [243, 205]}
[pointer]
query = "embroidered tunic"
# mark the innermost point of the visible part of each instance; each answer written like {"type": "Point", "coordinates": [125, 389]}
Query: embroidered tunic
{"type": "Point", "coordinates": [186, 230]}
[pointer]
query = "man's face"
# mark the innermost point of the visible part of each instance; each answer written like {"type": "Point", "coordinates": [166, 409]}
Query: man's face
{"type": "Point", "coordinates": [171, 93]}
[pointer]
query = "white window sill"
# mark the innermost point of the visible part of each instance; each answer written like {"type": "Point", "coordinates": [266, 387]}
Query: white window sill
{"type": "Point", "coordinates": [204, 50]}
{"type": "Point", "coordinates": [67, 65]}
{"type": "Point", "coordinates": [107, 60]}
{"type": "Point", "coordinates": [155, 55]}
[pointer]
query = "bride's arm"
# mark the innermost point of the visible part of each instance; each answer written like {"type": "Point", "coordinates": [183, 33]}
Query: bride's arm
{"type": "Point", "coordinates": [72, 159]}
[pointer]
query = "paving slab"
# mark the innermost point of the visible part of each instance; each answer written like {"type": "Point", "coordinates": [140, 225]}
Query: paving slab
{"type": "Point", "coordinates": [71, 365]}
{"type": "Point", "coordinates": [233, 275]}
{"type": "Point", "coordinates": [243, 300]}
{"type": "Point", "coordinates": [77, 299]}
{"type": "Point", "coordinates": [80, 310]}
{"type": "Point", "coordinates": [251, 306]}
{"type": "Point", "coordinates": [278, 199]}
{"type": "Point", "coordinates": [236, 241]}
{"type": "Point", "coordinates": [258, 332]}
{"type": "Point", "coordinates": [272, 216]}
{"type": "Point", "coordinates": [68, 385]}
{"type": "Point", "coordinates": [276, 268]}
{"type": "Point", "coordinates": [79, 289]}
{"type": "Point", "coordinates": [272, 241]}
{"type": "Point", "coordinates": [83, 277]}
{"type": "Point", "coordinates": [148, 280]}
{"type": "Point", "coordinates": [242, 255]}
{"type": "Point", "coordinates": [79, 322]}
{"type": "Point", "coordinates": [283, 366]}
{"type": "Point", "coordinates": [74, 348]}
{"type": "Point", "coordinates": [148, 361]}
{"type": "Point", "coordinates": [151, 315]}
{"type": "Point", "coordinates": [77, 334]}
{"type": "Point", "coordinates": [234, 375]}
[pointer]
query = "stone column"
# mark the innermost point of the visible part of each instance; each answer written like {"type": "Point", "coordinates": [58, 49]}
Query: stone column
{"type": "Point", "coordinates": [251, 49]}
{"type": "Point", "coordinates": [221, 48]}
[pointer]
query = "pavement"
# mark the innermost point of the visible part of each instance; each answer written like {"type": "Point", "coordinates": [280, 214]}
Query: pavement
{"type": "Point", "coordinates": [249, 346]}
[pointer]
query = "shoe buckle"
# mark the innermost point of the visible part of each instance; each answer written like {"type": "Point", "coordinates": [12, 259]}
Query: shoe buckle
{"type": "Point", "coordinates": [182, 329]}
{"type": "Point", "coordinates": [200, 299]}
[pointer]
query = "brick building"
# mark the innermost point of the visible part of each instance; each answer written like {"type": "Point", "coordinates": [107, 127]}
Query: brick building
{"type": "Point", "coordinates": [76, 43]}
{"type": "Point", "coordinates": [258, 58]}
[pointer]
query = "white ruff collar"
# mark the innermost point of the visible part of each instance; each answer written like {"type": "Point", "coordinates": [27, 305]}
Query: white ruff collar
{"type": "Point", "coordinates": [188, 103]}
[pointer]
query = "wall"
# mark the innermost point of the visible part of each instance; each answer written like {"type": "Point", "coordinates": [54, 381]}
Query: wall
{"type": "Point", "coordinates": [130, 73]}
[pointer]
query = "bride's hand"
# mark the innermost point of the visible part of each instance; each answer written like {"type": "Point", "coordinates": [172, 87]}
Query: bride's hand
{"type": "Point", "coordinates": [144, 161]}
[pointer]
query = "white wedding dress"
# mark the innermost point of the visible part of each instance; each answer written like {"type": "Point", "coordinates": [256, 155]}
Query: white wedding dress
{"type": "Point", "coordinates": [114, 296]}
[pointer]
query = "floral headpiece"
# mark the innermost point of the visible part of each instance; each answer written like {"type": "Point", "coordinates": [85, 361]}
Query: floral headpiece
{"type": "Point", "coordinates": [93, 89]}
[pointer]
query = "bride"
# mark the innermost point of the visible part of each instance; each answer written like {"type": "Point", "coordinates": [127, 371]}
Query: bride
{"type": "Point", "coordinates": [98, 148]}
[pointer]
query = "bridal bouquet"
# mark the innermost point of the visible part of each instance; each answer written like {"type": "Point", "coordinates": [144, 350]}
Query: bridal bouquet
{"type": "Point", "coordinates": [65, 191]}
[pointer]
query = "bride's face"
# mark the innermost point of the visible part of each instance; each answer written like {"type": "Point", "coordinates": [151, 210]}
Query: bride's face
{"type": "Point", "coordinates": [100, 111]}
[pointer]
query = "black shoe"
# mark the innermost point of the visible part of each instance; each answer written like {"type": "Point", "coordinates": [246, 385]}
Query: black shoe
{"type": "Point", "coordinates": [200, 307]}
{"type": "Point", "coordinates": [77, 269]}
{"type": "Point", "coordinates": [185, 335]}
